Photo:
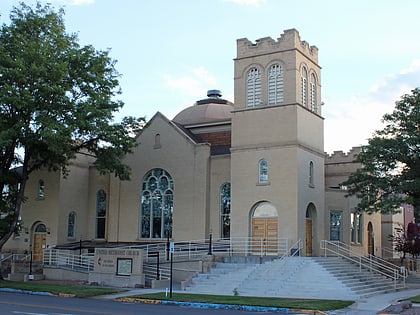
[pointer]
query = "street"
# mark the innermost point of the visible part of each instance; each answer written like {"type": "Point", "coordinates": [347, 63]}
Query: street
{"type": "Point", "coordinates": [26, 304]}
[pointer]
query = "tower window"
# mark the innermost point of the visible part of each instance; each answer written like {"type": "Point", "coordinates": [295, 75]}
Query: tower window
{"type": "Point", "coordinates": [275, 85]}
{"type": "Point", "coordinates": [314, 96]}
{"type": "Point", "coordinates": [253, 88]}
{"type": "Point", "coordinates": [304, 86]}
{"type": "Point", "coordinates": [263, 171]}
{"type": "Point", "coordinates": [311, 174]}
{"type": "Point", "coordinates": [41, 189]}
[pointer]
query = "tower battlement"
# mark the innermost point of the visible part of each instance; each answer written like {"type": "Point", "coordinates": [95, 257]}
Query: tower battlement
{"type": "Point", "coordinates": [342, 157]}
{"type": "Point", "coordinates": [290, 39]}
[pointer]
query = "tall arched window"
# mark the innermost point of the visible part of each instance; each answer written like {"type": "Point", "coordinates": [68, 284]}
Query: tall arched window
{"type": "Point", "coordinates": [225, 210]}
{"type": "Point", "coordinates": [314, 96]}
{"type": "Point", "coordinates": [41, 189]}
{"type": "Point", "coordinates": [71, 225]}
{"type": "Point", "coordinates": [156, 204]}
{"type": "Point", "coordinates": [100, 214]}
{"type": "Point", "coordinates": [311, 173]}
{"type": "Point", "coordinates": [275, 85]}
{"type": "Point", "coordinates": [304, 86]}
{"type": "Point", "coordinates": [253, 88]}
{"type": "Point", "coordinates": [263, 171]}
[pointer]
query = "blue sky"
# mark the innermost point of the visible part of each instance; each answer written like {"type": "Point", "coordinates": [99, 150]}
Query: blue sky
{"type": "Point", "coordinates": [170, 52]}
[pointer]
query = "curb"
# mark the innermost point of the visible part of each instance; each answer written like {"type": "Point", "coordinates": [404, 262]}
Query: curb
{"type": "Point", "coordinates": [24, 291]}
{"type": "Point", "coordinates": [223, 306]}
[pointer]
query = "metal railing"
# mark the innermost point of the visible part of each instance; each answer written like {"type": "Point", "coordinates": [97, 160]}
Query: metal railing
{"type": "Point", "coordinates": [187, 250]}
{"type": "Point", "coordinates": [64, 259]}
{"type": "Point", "coordinates": [372, 263]}
{"type": "Point", "coordinates": [239, 246]}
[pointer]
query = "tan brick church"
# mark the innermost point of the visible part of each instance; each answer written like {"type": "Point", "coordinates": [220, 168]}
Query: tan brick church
{"type": "Point", "coordinates": [255, 169]}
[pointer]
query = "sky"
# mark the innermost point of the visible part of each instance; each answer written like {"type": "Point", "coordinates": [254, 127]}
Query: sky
{"type": "Point", "coordinates": [170, 52]}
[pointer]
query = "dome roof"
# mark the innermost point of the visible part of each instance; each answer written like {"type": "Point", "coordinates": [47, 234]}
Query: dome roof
{"type": "Point", "coordinates": [211, 109]}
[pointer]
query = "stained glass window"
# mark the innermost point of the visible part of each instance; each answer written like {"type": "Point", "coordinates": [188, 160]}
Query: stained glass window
{"type": "Point", "coordinates": [225, 210]}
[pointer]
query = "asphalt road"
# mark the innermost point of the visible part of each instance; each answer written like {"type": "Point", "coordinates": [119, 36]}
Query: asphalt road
{"type": "Point", "coordinates": [26, 304]}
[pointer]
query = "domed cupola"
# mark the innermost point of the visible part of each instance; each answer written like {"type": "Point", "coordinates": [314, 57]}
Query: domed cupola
{"type": "Point", "coordinates": [213, 109]}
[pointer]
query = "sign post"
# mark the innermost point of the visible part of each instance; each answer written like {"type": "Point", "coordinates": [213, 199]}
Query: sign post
{"type": "Point", "coordinates": [172, 250]}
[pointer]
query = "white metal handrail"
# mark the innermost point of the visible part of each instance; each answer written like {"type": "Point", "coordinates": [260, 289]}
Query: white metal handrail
{"type": "Point", "coordinates": [370, 262]}
{"type": "Point", "coordinates": [240, 246]}
{"type": "Point", "coordinates": [63, 258]}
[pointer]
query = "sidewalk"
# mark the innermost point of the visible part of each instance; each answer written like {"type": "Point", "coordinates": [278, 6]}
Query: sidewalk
{"type": "Point", "coordinates": [375, 304]}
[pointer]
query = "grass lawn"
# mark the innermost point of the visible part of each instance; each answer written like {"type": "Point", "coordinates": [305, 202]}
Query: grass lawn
{"type": "Point", "coordinates": [414, 299]}
{"type": "Point", "coordinates": [88, 291]}
{"type": "Point", "coordinates": [309, 304]}
{"type": "Point", "coordinates": [72, 290]}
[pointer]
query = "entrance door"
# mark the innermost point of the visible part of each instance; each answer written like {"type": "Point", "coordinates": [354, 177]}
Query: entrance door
{"type": "Point", "coordinates": [40, 241]}
{"type": "Point", "coordinates": [308, 237]}
{"type": "Point", "coordinates": [264, 230]}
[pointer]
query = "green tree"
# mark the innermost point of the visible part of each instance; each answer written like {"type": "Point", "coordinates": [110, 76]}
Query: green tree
{"type": "Point", "coordinates": [390, 172]}
{"type": "Point", "coordinates": [57, 100]}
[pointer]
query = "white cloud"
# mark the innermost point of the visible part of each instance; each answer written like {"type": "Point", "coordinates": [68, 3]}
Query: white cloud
{"type": "Point", "coordinates": [248, 2]}
{"type": "Point", "coordinates": [355, 120]}
{"type": "Point", "coordinates": [195, 84]}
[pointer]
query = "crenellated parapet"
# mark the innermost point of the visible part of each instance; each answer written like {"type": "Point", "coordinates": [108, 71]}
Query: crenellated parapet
{"type": "Point", "coordinates": [342, 157]}
{"type": "Point", "coordinates": [290, 39]}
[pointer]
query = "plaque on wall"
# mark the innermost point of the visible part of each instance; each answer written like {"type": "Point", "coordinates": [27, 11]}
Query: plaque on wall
{"type": "Point", "coordinates": [124, 266]}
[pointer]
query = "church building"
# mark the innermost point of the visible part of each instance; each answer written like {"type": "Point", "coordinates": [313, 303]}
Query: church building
{"type": "Point", "coordinates": [251, 169]}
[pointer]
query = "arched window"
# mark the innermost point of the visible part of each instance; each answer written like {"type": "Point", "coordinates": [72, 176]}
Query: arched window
{"type": "Point", "coordinates": [41, 189]}
{"type": "Point", "coordinates": [100, 214]}
{"type": "Point", "coordinates": [225, 210]}
{"type": "Point", "coordinates": [311, 173]}
{"type": "Point", "coordinates": [157, 199]}
{"type": "Point", "coordinates": [157, 141]}
{"type": "Point", "coordinates": [263, 171]}
{"type": "Point", "coordinates": [253, 88]}
{"type": "Point", "coordinates": [304, 86]}
{"type": "Point", "coordinates": [314, 95]}
{"type": "Point", "coordinates": [275, 85]}
{"type": "Point", "coordinates": [71, 225]}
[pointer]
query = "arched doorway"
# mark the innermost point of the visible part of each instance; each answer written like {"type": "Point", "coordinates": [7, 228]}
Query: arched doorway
{"type": "Point", "coordinates": [264, 229]}
{"type": "Point", "coordinates": [310, 226]}
{"type": "Point", "coordinates": [371, 239]}
{"type": "Point", "coordinates": [39, 240]}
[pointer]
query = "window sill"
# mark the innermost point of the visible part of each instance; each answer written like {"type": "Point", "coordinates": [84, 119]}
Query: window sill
{"type": "Point", "coordinates": [263, 183]}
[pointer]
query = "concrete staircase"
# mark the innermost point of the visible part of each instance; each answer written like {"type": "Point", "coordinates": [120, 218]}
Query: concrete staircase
{"type": "Point", "coordinates": [224, 279]}
{"type": "Point", "coordinates": [300, 277]}
{"type": "Point", "coordinates": [362, 282]}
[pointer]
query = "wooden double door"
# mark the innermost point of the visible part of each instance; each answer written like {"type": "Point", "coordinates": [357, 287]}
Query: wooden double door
{"type": "Point", "coordinates": [265, 236]}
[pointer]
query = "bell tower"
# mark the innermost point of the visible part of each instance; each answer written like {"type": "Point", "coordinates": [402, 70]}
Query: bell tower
{"type": "Point", "coordinates": [277, 152]}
